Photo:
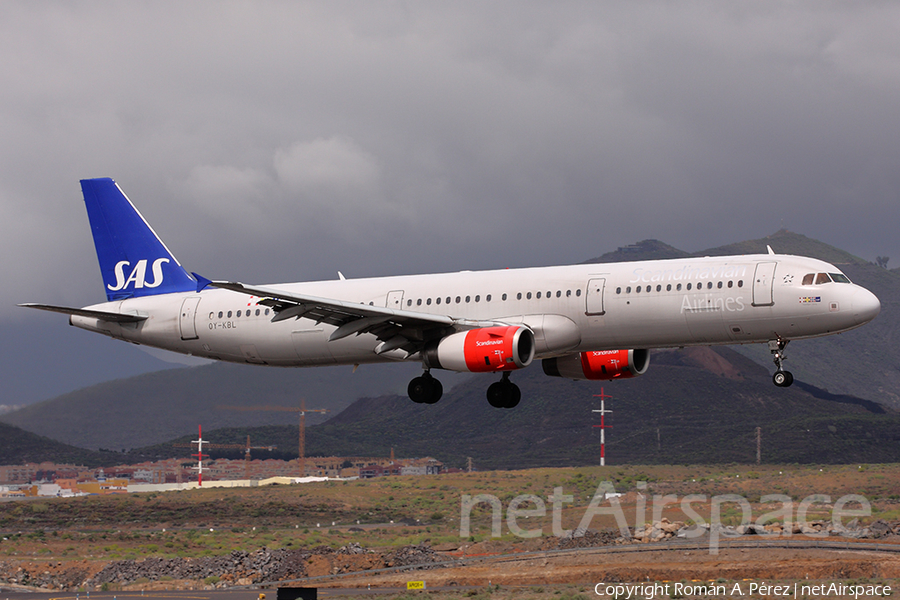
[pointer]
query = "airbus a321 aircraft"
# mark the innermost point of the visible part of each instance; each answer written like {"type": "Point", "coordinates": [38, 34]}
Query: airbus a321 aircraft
{"type": "Point", "coordinates": [594, 321]}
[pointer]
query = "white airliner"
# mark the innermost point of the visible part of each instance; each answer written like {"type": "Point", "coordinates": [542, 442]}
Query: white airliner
{"type": "Point", "coordinates": [593, 321]}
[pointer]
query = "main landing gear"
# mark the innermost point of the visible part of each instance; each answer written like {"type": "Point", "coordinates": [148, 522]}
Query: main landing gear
{"type": "Point", "coordinates": [504, 393]}
{"type": "Point", "coordinates": [428, 390]}
{"type": "Point", "coordinates": [425, 389]}
{"type": "Point", "coordinates": [781, 378]}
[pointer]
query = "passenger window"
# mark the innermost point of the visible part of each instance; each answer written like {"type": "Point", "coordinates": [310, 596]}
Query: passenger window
{"type": "Point", "coordinates": [740, 283]}
{"type": "Point", "coordinates": [409, 302]}
{"type": "Point", "coordinates": [730, 284]}
{"type": "Point", "coordinates": [669, 287]}
{"type": "Point", "coordinates": [578, 292]}
{"type": "Point", "coordinates": [689, 286]}
{"type": "Point", "coordinates": [428, 302]}
{"type": "Point", "coordinates": [477, 298]}
{"type": "Point", "coordinates": [678, 288]}
{"type": "Point", "coordinates": [267, 312]}
{"type": "Point", "coordinates": [538, 295]}
{"type": "Point", "coordinates": [229, 314]}
{"type": "Point", "coordinates": [569, 293]}
{"type": "Point", "coordinates": [719, 285]}
{"type": "Point", "coordinates": [220, 314]}
{"type": "Point", "coordinates": [549, 294]}
{"type": "Point", "coordinates": [237, 314]}
{"type": "Point", "coordinates": [468, 298]}
{"type": "Point", "coordinates": [458, 299]}
{"type": "Point", "coordinates": [637, 290]}
{"type": "Point", "coordinates": [519, 296]}
{"type": "Point", "coordinates": [503, 297]}
{"type": "Point", "coordinates": [419, 302]}
{"type": "Point", "coordinates": [528, 296]}
{"type": "Point", "coordinates": [709, 285]}
{"type": "Point", "coordinates": [808, 279]}
{"type": "Point", "coordinates": [487, 298]}
{"type": "Point", "coordinates": [627, 290]}
{"type": "Point", "coordinates": [437, 300]}
{"type": "Point", "coordinates": [618, 290]}
{"type": "Point", "coordinates": [257, 312]}
{"type": "Point", "coordinates": [448, 299]}
{"type": "Point", "coordinates": [822, 278]}
{"type": "Point", "coordinates": [658, 288]}
{"type": "Point", "coordinates": [558, 294]}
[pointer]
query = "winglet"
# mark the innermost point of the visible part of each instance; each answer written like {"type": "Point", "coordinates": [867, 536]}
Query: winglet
{"type": "Point", "coordinates": [202, 282]}
{"type": "Point", "coordinates": [769, 248]}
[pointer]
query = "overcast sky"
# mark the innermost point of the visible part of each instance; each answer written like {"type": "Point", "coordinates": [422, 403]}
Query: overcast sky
{"type": "Point", "coordinates": [285, 141]}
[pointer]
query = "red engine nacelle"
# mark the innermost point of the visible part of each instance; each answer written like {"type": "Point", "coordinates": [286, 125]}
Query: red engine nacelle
{"type": "Point", "coordinates": [483, 350]}
{"type": "Point", "coordinates": [601, 365]}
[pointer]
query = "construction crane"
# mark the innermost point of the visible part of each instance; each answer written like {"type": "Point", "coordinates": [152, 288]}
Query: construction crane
{"type": "Point", "coordinates": [245, 447]}
{"type": "Point", "coordinates": [302, 410]}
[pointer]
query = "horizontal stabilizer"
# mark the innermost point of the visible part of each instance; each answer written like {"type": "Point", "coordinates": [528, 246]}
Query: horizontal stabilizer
{"type": "Point", "coordinates": [94, 314]}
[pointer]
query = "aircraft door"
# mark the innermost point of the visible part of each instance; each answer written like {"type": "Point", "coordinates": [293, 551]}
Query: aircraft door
{"type": "Point", "coordinates": [594, 297]}
{"type": "Point", "coordinates": [395, 299]}
{"type": "Point", "coordinates": [763, 283]}
{"type": "Point", "coordinates": [188, 318]}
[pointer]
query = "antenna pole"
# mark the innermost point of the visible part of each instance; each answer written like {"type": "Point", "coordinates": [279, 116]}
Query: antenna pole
{"type": "Point", "coordinates": [603, 397]}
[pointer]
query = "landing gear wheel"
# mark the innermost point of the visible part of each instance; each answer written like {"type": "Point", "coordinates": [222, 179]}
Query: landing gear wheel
{"type": "Point", "coordinates": [504, 393]}
{"type": "Point", "coordinates": [783, 378]}
{"type": "Point", "coordinates": [425, 389]}
{"type": "Point", "coordinates": [514, 397]}
{"type": "Point", "coordinates": [437, 390]}
{"type": "Point", "coordinates": [496, 395]}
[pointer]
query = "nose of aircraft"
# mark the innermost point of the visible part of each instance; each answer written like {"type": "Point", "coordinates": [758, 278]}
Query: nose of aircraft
{"type": "Point", "coordinates": [866, 305]}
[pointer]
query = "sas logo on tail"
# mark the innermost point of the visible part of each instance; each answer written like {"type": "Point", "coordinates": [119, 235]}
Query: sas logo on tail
{"type": "Point", "coordinates": [138, 274]}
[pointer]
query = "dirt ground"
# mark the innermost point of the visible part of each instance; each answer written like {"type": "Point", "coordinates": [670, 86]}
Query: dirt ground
{"type": "Point", "coordinates": [56, 544]}
{"type": "Point", "coordinates": [587, 568]}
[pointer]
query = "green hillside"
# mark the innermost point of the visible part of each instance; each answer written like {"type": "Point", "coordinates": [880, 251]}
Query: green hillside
{"type": "Point", "coordinates": [697, 405]}
{"type": "Point", "coordinates": [787, 242]}
{"type": "Point", "coordinates": [645, 250]}
{"type": "Point", "coordinates": [150, 408]}
{"type": "Point", "coordinates": [18, 447]}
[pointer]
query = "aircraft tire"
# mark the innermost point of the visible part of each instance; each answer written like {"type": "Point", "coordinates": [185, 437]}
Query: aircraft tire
{"type": "Point", "coordinates": [514, 396]}
{"type": "Point", "coordinates": [437, 390]}
{"type": "Point", "coordinates": [497, 395]}
{"type": "Point", "coordinates": [783, 378]}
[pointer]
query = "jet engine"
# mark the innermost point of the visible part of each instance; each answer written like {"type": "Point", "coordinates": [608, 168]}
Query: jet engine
{"type": "Point", "coordinates": [602, 365]}
{"type": "Point", "coordinates": [484, 350]}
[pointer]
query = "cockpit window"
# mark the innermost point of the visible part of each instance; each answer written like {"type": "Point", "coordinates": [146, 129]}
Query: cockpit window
{"type": "Point", "coordinates": [839, 278]}
{"type": "Point", "coordinates": [808, 279]}
{"type": "Point", "coordinates": [822, 278]}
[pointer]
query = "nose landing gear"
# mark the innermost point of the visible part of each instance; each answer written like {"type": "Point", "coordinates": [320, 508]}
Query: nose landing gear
{"type": "Point", "coordinates": [781, 378]}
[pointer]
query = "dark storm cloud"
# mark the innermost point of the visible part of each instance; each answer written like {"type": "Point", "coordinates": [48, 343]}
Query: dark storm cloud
{"type": "Point", "coordinates": [284, 141]}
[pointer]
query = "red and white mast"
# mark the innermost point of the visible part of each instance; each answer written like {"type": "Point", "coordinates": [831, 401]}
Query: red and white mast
{"type": "Point", "coordinates": [199, 455]}
{"type": "Point", "coordinates": [602, 424]}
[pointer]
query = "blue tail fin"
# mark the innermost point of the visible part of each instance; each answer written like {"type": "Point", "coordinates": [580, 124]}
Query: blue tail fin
{"type": "Point", "coordinates": [133, 260]}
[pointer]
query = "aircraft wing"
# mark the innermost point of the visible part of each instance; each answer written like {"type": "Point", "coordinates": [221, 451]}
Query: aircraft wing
{"type": "Point", "coordinates": [403, 329]}
{"type": "Point", "coordinates": [94, 314]}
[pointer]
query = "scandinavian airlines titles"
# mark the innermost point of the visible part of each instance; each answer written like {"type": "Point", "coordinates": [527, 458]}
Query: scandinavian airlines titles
{"type": "Point", "coordinates": [687, 272]}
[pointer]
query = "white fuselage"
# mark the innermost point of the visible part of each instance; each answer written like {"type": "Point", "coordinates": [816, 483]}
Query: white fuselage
{"type": "Point", "coordinates": [647, 304]}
